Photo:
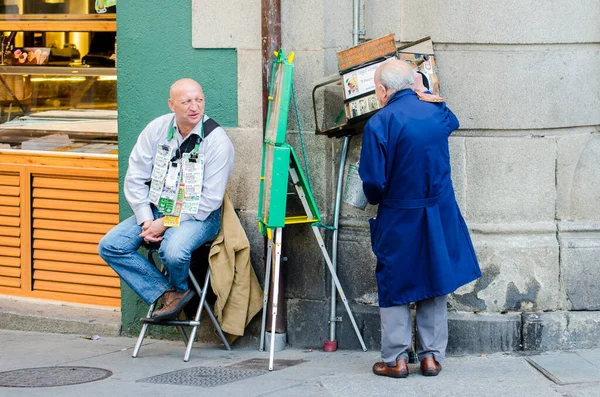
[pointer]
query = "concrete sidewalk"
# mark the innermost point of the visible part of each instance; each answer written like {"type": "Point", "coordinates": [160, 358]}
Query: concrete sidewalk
{"type": "Point", "coordinates": [309, 373]}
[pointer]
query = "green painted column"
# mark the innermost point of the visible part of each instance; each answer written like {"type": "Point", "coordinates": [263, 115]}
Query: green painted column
{"type": "Point", "coordinates": [154, 50]}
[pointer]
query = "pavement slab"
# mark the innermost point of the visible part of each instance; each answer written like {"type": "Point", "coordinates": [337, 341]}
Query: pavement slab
{"type": "Point", "coordinates": [569, 367]}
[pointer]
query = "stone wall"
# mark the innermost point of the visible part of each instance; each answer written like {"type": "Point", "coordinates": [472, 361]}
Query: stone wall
{"type": "Point", "coordinates": [522, 77]}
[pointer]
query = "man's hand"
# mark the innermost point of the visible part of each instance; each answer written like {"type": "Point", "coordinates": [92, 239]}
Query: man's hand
{"type": "Point", "coordinates": [418, 85]}
{"type": "Point", "coordinates": [152, 231]}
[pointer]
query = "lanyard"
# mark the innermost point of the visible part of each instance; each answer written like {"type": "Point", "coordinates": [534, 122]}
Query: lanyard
{"type": "Point", "coordinates": [171, 134]}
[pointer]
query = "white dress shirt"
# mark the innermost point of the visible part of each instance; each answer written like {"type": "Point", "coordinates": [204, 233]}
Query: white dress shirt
{"type": "Point", "coordinates": [218, 165]}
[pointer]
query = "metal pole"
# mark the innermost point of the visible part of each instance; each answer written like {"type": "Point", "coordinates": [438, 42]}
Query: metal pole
{"type": "Point", "coordinates": [339, 187]}
{"type": "Point", "coordinates": [334, 244]}
{"type": "Point", "coordinates": [267, 285]}
{"type": "Point", "coordinates": [275, 294]}
{"type": "Point", "coordinates": [271, 42]}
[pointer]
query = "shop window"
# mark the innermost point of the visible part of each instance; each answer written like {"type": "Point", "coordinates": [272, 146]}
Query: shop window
{"type": "Point", "coordinates": [57, 66]}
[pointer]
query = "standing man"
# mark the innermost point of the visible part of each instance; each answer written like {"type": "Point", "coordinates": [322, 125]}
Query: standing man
{"type": "Point", "coordinates": [185, 144]}
{"type": "Point", "coordinates": [419, 237]}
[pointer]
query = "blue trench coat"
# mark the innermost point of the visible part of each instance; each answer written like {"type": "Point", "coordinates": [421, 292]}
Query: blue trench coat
{"type": "Point", "coordinates": [419, 237]}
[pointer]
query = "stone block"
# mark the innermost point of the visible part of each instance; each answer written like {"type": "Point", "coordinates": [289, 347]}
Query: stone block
{"type": "Point", "coordinates": [244, 183]}
{"type": "Point", "coordinates": [356, 262]}
{"type": "Point", "coordinates": [337, 23]}
{"type": "Point", "coordinates": [578, 186]}
{"type": "Point", "coordinates": [510, 180]}
{"type": "Point", "coordinates": [302, 26]}
{"type": "Point", "coordinates": [368, 322]}
{"type": "Point", "coordinates": [305, 269]}
{"type": "Point", "coordinates": [308, 69]}
{"type": "Point", "coordinates": [514, 21]}
{"type": "Point", "coordinates": [318, 154]}
{"type": "Point", "coordinates": [484, 89]}
{"type": "Point", "coordinates": [331, 63]}
{"type": "Point", "coordinates": [250, 114]}
{"type": "Point", "coordinates": [520, 271]}
{"type": "Point", "coordinates": [561, 331]}
{"type": "Point", "coordinates": [383, 17]}
{"type": "Point", "coordinates": [308, 325]}
{"type": "Point", "coordinates": [477, 333]}
{"type": "Point", "coordinates": [315, 24]}
{"type": "Point", "coordinates": [228, 24]}
{"type": "Point", "coordinates": [580, 263]}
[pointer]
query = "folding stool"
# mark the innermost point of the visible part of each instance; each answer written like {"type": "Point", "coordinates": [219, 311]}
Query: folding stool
{"type": "Point", "coordinates": [193, 323]}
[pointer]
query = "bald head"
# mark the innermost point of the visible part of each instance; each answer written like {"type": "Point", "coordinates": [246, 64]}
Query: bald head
{"type": "Point", "coordinates": [391, 77]}
{"type": "Point", "coordinates": [395, 75]}
{"type": "Point", "coordinates": [187, 102]}
{"type": "Point", "coordinates": [183, 84]}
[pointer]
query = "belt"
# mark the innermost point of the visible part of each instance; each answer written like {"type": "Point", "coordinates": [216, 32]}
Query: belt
{"type": "Point", "coordinates": [418, 203]}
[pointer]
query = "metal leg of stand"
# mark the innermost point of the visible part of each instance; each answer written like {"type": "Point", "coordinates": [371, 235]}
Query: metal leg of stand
{"type": "Point", "coordinates": [209, 312]}
{"type": "Point", "coordinates": [217, 326]}
{"type": "Point", "coordinates": [183, 334]}
{"type": "Point", "coordinates": [188, 350]}
{"type": "Point", "coordinates": [278, 232]}
{"type": "Point", "coordinates": [138, 344]}
{"type": "Point", "coordinates": [338, 285]}
{"type": "Point", "coordinates": [265, 297]}
{"type": "Point", "coordinates": [332, 270]}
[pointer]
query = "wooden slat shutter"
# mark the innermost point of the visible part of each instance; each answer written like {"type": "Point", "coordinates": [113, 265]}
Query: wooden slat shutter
{"type": "Point", "coordinates": [10, 232]}
{"type": "Point", "coordinates": [70, 216]}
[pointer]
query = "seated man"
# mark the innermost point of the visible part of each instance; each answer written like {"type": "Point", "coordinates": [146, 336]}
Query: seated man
{"type": "Point", "coordinates": [183, 145]}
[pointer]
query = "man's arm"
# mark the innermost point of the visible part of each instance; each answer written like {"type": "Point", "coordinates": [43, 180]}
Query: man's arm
{"type": "Point", "coordinates": [453, 123]}
{"type": "Point", "coordinates": [372, 163]}
{"type": "Point", "coordinates": [139, 172]}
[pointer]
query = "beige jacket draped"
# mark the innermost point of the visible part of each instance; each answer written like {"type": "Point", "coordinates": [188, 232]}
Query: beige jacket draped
{"type": "Point", "coordinates": [239, 296]}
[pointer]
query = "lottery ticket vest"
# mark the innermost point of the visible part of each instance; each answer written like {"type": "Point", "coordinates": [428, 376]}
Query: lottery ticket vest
{"type": "Point", "coordinates": [177, 175]}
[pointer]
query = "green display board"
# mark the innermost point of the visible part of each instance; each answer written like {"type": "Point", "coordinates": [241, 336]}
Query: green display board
{"type": "Point", "coordinates": [279, 99]}
{"type": "Point", "coordinates": [279, 160]}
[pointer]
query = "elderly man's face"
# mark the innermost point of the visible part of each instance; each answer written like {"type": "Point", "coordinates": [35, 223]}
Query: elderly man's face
{"type": "Point", "coordinates": [187, 102]}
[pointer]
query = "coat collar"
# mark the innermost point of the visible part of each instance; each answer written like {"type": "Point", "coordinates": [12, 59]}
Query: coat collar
{"type": "Point", "coordinates": [400, 94]}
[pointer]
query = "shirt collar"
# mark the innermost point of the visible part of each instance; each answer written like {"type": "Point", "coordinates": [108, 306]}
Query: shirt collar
{"type": "Point", "coordinates": [196, 130]}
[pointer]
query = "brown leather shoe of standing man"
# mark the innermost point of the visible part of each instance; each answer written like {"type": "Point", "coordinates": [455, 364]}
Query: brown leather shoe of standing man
{"type": "Point", "coordinates": [430, 367]}
{"type": "Point", "coordinates": [399, 371]}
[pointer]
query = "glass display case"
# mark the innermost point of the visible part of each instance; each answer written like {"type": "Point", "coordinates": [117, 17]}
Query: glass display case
{"type": "Point", "coordinates": [58, 74]}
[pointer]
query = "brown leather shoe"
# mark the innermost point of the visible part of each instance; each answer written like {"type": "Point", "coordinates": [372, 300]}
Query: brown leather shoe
{"type": "Point", "coordinates": [173, 303]}
{"type": "Point", "coordinates": [399, 371]}
{"type": "Point", "coordinates": [430, 367]}
{"type": "Point", "coordinates": [167, 297]}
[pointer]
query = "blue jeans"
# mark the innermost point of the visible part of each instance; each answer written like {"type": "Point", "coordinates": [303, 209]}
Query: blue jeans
{"type": "Point", "coordinates": [119, 249]}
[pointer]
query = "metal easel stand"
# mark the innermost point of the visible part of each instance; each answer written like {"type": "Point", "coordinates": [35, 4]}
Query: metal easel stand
{"type": "Point", "coordinates": [274, 237]}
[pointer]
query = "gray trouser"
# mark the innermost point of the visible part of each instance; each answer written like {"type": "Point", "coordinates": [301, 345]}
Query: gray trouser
{"type": "Point", "coordinates": [432, 330]}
